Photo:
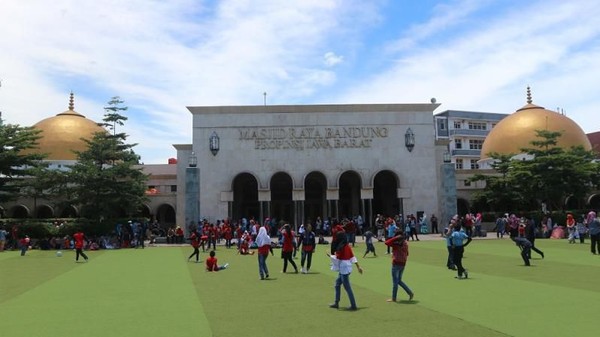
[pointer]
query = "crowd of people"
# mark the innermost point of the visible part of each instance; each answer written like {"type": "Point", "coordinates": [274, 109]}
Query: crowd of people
{"type": "Point", "coordinates": [250, 237]}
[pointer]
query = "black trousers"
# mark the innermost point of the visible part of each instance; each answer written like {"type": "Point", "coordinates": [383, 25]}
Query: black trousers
{"type": "Point", "coordinates": [196, 252]}
{"type": "Point", "coordinates": [457, 258]}
{"type": "Point", "coordinates": [78, 252]}
{"type": "Point", "coordinates": [595, 243]}
{"type": "Point", "coordinates": [526, 254]}
{"type": "Point", "coordinates": [306, 257]}
{"type": "Point", "coordinates": [450, 263]}
{"type": "Point", "coordinates": [287, 257]}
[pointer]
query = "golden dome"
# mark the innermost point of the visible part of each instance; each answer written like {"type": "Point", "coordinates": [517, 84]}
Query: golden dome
{"type": "Point", "coordinates": [517, 131]}
{"type": "Point", "coordinates": [61, 134]}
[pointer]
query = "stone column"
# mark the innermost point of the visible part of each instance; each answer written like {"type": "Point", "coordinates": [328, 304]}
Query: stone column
{"type": "Point", "coordinates": [448, 193]}
{"type": "Point", "coordinates": [192, 196]}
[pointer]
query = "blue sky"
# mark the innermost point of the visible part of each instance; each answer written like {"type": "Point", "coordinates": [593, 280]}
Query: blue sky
{"type": "Point", "coordinates": [161, 56]}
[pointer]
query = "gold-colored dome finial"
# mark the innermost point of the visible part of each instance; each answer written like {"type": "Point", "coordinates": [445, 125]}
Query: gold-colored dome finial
{"type": "Point", "coordinates": [71, 102]}
{"type": "Point", "coordinates": [529, 100]}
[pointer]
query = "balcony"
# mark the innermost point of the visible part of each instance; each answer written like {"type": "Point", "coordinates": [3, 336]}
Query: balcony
{"type": "Point", "coordinates": [471, 133]}
{"type": "Point", "coordinates": [470, 153]}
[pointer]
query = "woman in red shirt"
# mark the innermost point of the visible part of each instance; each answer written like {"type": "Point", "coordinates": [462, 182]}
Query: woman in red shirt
{"type": "Point", "coordinates": [195, 242]}
{"type": "Point", "coordinates": [288, 248]}
{"type": "Point", "coordinates": [342, 262]}
{"type": "Point", "coordinates": [263, 242]}
{"type": "Point", "coordinates": [399, 257]}
{"type": "Point", "coordinates": [79, 237]}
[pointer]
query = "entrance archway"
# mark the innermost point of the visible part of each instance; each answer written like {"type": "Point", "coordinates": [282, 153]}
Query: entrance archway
{"type": "Point", "coordinates": [69, 212]}
{"type": "Point", "coordinates": [385, 195]}
{"type": "Point", "coordinates": [282, 206]}
{"type": "Point", "coordinates": [44, 212]}
{"type": "Point", "coordinates": [349, 189]}
{"type": "Point", "coordinates": [19, 212]}
{"type": "Point", "coordinates": [165, 215]}
{"type": "Point", "coordinates": [245, 197]}
{"type": "Point", "coordinates": [594, 202]}
{"type": "Point", "coordinates": [315, 196]}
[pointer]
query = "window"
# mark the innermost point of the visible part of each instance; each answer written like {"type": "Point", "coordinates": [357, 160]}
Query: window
{"type": "Point", "coordinates": [173, 188]}
{"type": "Point", "coordinates": [459, 164]}
{"type": "Point", "coordinates": [475, 144]}
{"type": "Point", "coordinates": [494, 125]}
{"type": "Point", "coordinates": [477, 126]}
{"type": "Point", "coordinates": [458, 143]}
{"type": "Point", "coordinates": [457, 125]}
{"type": "Point", "coordinates": [442, 124]}
{"type": "Point", "coordinates": [474, 165]}
{"type": "Point", "coordinates": [467, 183]}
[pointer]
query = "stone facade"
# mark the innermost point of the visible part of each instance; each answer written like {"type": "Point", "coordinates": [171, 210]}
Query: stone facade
{"type": "Point", "coordinates": [355, 151]}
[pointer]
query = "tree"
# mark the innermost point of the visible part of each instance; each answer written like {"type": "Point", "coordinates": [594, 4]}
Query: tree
{"type": "Point", "coordinates": [17, 161]}
{"type": "Point", "coordinates": [549, 174]}
{"type": "Point", "coordinates": [499, 191]}
{"type": "Point", "coordinates": [104, 181]}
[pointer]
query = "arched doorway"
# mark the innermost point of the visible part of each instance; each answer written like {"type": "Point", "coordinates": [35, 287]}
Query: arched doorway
{"type": "Point", "coordinates": [349, 189]}
{"type": "Point", "coordinates": [594, 202]}
{"type": "Point", "coordinates": [385, 195]}
{"type": "Point", "coordinates": [245, 197]}
{"type": "Point", "coordinates": [165, 215]}
{"type": "Point", "coordinates": [315, 196]}
{"type": "Point", "coordinates": [573, 202]}
{"type": "Point", "coordinates": [282, 206]}
{"type": "Point", "coordinates": [69, 212]}
{"type": "Point", "coordinates": [144, 212]}
{"type": "Point", "coordinates": [462, 206]}
{"type": "Point", "coordinates": [19, 212]}
{"type": "Point", "coordinates": [44, 212]}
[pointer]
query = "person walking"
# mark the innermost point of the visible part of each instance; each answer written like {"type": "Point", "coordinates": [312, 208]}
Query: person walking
{"type": "Point", "coordinates": [24, 242]}
{"type": "Point", "coordinates": [307, 244]}
{"type": "Point", "coordinates": [391, 231]}
{"type": "Point", "coordinates": [369, 242]}
{"type": "Point", "coordinates": [342, 262]}
{"type": "Point", "coordinates": [594, 228]}
{"type": "Point", "coordinates": [434, 224]}
{"type": "Point", "coordinates": [195, 242]}
{"type": "Point", "coordinates": [399, 257]}
{"type": "Point", "coordinates": [263, 242]}
{"type": "Point", "coordinates": [3, 234]}
{"type": "Point", "coordinates": [458, 238]}
{"type": "Point", "coordinates": [79, 239]}
{"type": "Point", "coordinates": [448, 234]}
{"type": "Point", "coordinates": [287, 249]}
{"type": "Point", "coordinates": [530, 236]}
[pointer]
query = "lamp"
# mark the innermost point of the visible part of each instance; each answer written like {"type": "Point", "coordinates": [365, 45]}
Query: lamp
{"type": "Point", "coordinates": [409, 140]}
{"type": "Point", "coordinates": [193, 160]}
{"type": "Point", "coordinates": [447, 157]}
{"type": "Point", "coordinates": [213, 143]}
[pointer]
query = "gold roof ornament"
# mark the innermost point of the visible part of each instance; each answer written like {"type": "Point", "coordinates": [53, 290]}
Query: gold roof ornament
{"type": "Point", "coordinates": [517, 131]}
{"type": "Point", "coordinates": [63, 133]}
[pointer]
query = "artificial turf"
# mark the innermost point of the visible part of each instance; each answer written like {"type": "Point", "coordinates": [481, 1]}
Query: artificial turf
{"type": "Point", "coordinates": [156, 292]}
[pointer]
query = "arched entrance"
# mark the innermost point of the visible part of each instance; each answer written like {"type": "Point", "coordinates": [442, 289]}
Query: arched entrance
{"type": "Point", "coordinates": [144, 212]}
{"type": "Point", "coordinates": [573, 202]}
{"type": "Point", "coordinates": [165, 215]}
{"type": "Point", "coordinates": [69, 212]}
{"type": "Point", "coordinates": [385, 195]}
{"type": "Point", "coordinates": [594, 202]}
{"type": "Point", "coordinates": [282, 206]}
{"type": "Point", "coordinates": [44, 212]}
{"type": "Point", "coordinates": [349, 189]}
{"type": "Point", "coordinates": [245, 197]}
{"type": "Point", "coordinates": [315, 196]}
{"type": "Point", "coordinates": [19, 212]}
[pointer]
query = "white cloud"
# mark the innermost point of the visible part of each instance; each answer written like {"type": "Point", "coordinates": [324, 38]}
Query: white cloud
{"type": "Point", "coordinates": [331, 59]}
{"type": "Point", "coordinates": [161, 56]}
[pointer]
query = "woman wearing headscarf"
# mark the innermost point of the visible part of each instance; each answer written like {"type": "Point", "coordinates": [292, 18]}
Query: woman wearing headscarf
{"type": "Point", "coordinates": [594, 227]}
{"type": "Point", "coordinates": [342, 262]}
{"type": "Point", "coordinates": [263, 242]}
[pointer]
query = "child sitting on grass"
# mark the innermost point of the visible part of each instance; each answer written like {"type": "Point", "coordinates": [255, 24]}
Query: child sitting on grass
{"type": "Point", "coordinates": [211, 263]}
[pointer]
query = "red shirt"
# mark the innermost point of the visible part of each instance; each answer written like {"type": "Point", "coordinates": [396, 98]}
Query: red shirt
{"type": "Point", "coordinates": [195, 240]}
{"type": "Point", "coordinates": [345, 253]}
{"type": "Point", "coordinates": [288, 245]}
{"type": "Point", "coordinates": [78, 237]}
{"type": "Point", "coordinates": [211, 264]}
{"type": "Point", "coordinates": [399, 251]}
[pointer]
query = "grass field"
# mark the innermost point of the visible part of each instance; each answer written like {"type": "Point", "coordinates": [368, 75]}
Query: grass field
{"type": "Point", "coordinates": [156, 292]}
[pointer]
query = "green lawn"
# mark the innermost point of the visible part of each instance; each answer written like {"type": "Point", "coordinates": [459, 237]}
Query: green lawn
{"type": "Point", "coordinates": [156, 292]}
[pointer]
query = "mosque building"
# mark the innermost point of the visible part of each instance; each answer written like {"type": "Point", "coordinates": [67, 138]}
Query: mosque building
{"type": "Point", "coordinates": [299, 162]}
